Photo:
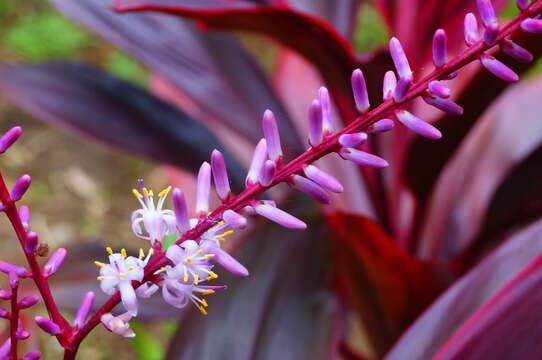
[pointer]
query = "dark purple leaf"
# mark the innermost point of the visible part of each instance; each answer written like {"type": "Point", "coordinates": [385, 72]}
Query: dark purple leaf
{"type": "Point", "coordinates": [210, 68]}
{"type": "Point", "coordinates": [283, 310]}
{"type": "Point", "coordinates": [314, 39]}
{"type": "Point", "coordinates": [87, 101]}
{"type": "Point", "coordinates": [439, 322]}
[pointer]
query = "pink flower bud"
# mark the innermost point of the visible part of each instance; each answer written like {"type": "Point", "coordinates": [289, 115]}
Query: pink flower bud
{"type": "Point", "coordinates": [401, 90]}
{"type": "Point", "coordinates": [325, 180]}
{"type": "Point", "coordinates": [310, 188]}
{"type": "Point", "coordinates": [258, 159]}
{"type": "Point", "coordinates": [267, 173]}
{"type": "Point", "coordinates": [83, 311]}
{"type": "Point", "coordinates": [5, 294]}
{"type": "Point", "coordinates": [234, 219]}
{"type": "Point", "coordinates": [325, 101]}
{"type": "Point", "coordinates": [33, 355]}
{"type": "Point", "coordinates": [24, 215]}
{"type": "Point", "coordinates": [417, 125]}
{"type": "Point", "coordinates": [399, 59]}
{"type": "Point", "coordinates": [28, 301]}
{"type": "Point", "coordinates": [203, 189]}
{"type": "Point", "coordinates": [54, 262]}
{"type": "Point", "coordinates": [532, 25]}
{"type": "Point", "coordinates": [7, 268]}
{"type": "Point", "coordinates": [22, 334]}
{"type": "Point", "coordinates": [381, 126]}
{"type": "Point", "coordinates": [472, 33]}
{"type": "Point", "coordinates": [498, 69]}
{"type": "Point", "coordinates": [13, 280]}
{"type": "Point", "coordinates": [439, 89]}
{"type": "Point", "coordinates": [9, 138]}
{"type": "Point", "coordinates": [279, 216]}
{"type": "Point", "coordinates": [4, 314]}
{"type": "Point", "coordinates": [316, 133]}
{"type": "Point", "coordinates": [220, 175]}
{"type": "Point", "coordinates": [20, 187]}
{"type": "Point", "coordinates": [515, 51]}
{"type": "Point", "coordinates": [31, 243]}
{"type": "Point", "coordinates": [439, 48]}
{"type": "Point", "coordinates": [181, 210]}
{"type": "Point", "coordinates": [389, 84]}
{"type": "Point", "coordinates": [352, 140]}
{"type": "Point", "coordinates": [363, 158]}
{"type": "Point", "coordinates": [272, 136]}
{"type": "Point", "coordinates": [523, 4]}
{"type": "Point", "coordinates": [359, 88]}
{"type": "Point", "coordinates": [446, 105]}
{"type": "Point", "coordinates": [47, 325]}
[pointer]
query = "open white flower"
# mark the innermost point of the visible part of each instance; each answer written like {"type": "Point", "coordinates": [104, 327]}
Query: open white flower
{"type": "Point", "coordinates": [118, 324]}
{"type": "Point", "coordinates": [151, 222]}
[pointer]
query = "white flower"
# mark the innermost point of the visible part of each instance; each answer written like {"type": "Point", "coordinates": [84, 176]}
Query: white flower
{"type": "Point", "coordinates": [191, 262]}
{"type": "Point", "coordinates": [119, 274]}
{"type": "Point", "coordinates": [118, 324]}
{"type": "Point", "coordinates": [156, 222]}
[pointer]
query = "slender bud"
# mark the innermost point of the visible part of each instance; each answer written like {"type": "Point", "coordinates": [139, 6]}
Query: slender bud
{"type": "Point", "coordinates": [532, 25]}
{"type": "Point", "coordinates": [446, 105]}
{"type": "Point", "coordinates": [399, 59]}
{"type": "Point", "coordinates": [438, 88]}
{"type": "Point", "coordinates": [22, 334]}
{"type": "Point", "coordinates": [24, 215]}
{"type": "Point", "coordinates": [258, 159]}
{"type": "Point", "coordinates": [439, 48]}
{"type": "Point", "coordinates": [31, 243]}
{"type": "Point", "coordinates": [359, 88]}
{"type": "Point", "coordinates": [498, 69]}
{"type": "Point", "coordinates": [491, 33]}
{"type": "Point", "coordinates": [5, 349]}
{"type": "Point", "coordinates": [310, 188]}
{"type": "Point", "coordinates": [316, 134]}
{"type": "Point", "coordinates": [417, 125]}
{"type": "Point", "coordinates": [523, 4]}
{"type": "Point", "coordinates": [487, 13]}
{"type": "Point", "coordinates": [13, 280]}
{"type": "Point", "coordinates": [388, 87]}
{"type": "Point", "coordinates": [322, 178]}
{"type": "Point", "coordinates": [9, 138]}
{"type": "Point", "coordinates": [515, 51]}
{"type": "Point", "coordinates": [234, 219]}
{"type": "Point", "coordinates": [402, 88]}
{"type": "Point", "coordinates": [4, 314]}
{"type": "Point", "coordinates": [28, 301]}
{"type": "Point", "coordinates": [33, 355]}
{"type": "Point", "coordinates": [54, 262]}
{"type": "Point", "coordinates": [203, 189]}
{"type": "Point", "coordinates": [363, 158]}
{"type": "Point", "coordinates": [381, 126]}
{"type": "Point", "coordinates": [268, 172]}
{"type": "Point", "coordinates": [352, 140]}
{"type": "Point", "coordinates": [279, 216]}
{"type": "Point", "coordinates": [84, 310]}
{"type": "Point", "coordinates": [472, 33]}
{"type": "Point", "coordinates": [229, 263]}
{"type": "Point", "coordinates": [181, 210]}
{"type": "Point", "coordinates": [20, 187]}
{"type": "Point", "coordinates": [220, 175]}
{"type": "Point", "coordinates": [47, 325]}
{"type": "Point", "coordinates": [5, 294]}
{"type": "Point", "coordinates": [325, 101]}
{"type": "Point", "coordinates": [272, 136]}
{"type": "Point", "coordinates": [7, 268]}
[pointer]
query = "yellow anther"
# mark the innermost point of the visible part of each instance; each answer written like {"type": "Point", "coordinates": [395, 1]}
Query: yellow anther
{"type": "Point", "coordinates": [123, 253]}
{"type": "Point", "coordinates": [99, 264]}
{"type": "Point", "coordinates": [221, 223]}
{"type": "Point", "coordinates": [196, 279]}
{"type": "Point", "coordinates": [208, 292]}
{"type": "Point", "coordinates": [101, 278]}
{"type": "Point", "coordinates": [229, 232]}
{"type": "Point", "coordinates": [115, 326]}
{"type": "Point", "coordinates": [146, 192]}
{"type": "Point", "coordinates": [141, 254]}
{"type": "Point", "coordinates": [210, 256]}
{"type": "Point", "coordinates": [220, 238]}
{"type": "Point", "coordinates": [109, 250]}
{"type": "Point", "coordinates": [204, 303]}
{"type": "Point", "coordinates": [203, 311]}
{"type": "Point", "coordinates": [137, 193]}
{"type": "Point", "coordinates": [185, 279]}
{"type": "Point", "coordinates": [200, 251]}
{"type": "Point", "coordinates": [163, 268]}
{"type": "Point", "coordinates": [165, 191]}
{"type": "Point", "coordinates": [212, 275]}
{"type": "Point", "coordinates": [130, 268]}
{"type": "Point", "coordinates": [122, 275]}
{"type": "Point", "coordinates": [189, 259]}
{"type": "Point", "coordinates": [151, 251]}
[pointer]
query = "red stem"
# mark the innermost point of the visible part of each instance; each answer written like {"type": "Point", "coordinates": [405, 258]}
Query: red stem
{"type": "Point", "coordinates": [328, 146]}
{"type": "Point", "coordinates": [14, 322]}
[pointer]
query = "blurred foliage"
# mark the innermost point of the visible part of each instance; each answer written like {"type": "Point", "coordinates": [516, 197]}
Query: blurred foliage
{"type": "Point", "coordinates": [147, 345]}
{"type": "Point", "coordinates": [125, 67]}
{"type": "Point", "coordinates": [371, 33]}
{"type": "Point", "coordinates": [44, 36]}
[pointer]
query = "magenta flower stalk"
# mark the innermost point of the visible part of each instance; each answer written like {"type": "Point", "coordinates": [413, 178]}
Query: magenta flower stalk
{"type": "Point", "coordinates": [185, 270]}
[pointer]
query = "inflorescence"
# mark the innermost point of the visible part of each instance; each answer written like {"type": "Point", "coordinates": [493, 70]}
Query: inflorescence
{"type": "Point", "coordinates": [186, 269]}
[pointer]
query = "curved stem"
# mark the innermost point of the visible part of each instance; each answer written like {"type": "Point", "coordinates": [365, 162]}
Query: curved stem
{"type": "Point", "coordinates": [330, 145]}
{"type": "Point", "coordinates": [14, 322]}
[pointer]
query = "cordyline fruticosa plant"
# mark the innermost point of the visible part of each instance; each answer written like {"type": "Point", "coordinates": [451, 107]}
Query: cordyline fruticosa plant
{"type": "Point", "coordinates": [428, 258]}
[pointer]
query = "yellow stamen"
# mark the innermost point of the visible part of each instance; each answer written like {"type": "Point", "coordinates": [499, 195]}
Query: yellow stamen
{"type": "Point", "coordinates": [101, 278]}
{"type": "Point", "coordinates": [196, 279]}
{"type": "Point", "coordinates": [99, 264]}
{"type": "Point", "coordinates": [165, 191]}
{"type": "Point", "coordinates": [146, 192]}
{"type": "Point", "coordinates": [163, 268]}
{"type": "Point", "coordinates": [203, 311]}
{"type": "Point", "coordinates": [229, 232]}
{"type": "Point", "coordinates": [185, 279]}
{"type": "Point", "coordinates": [137, 193]}
{"type": "Point", "coordinates": [141, 254]}
{"type": "Point", "coordinates": [204, 303]}
{"type": "Point", "coordinates": [212, 275]}
{"type": "Point", "coordinates": [221, 223]}
{"type": "Point", "coordinates": [151, 251]}
{"type": "Point", "coordinates": [200, 251]}
{"type": "Point", "coordinates": [210, 256]}
{"type": "Point", "coordinates": [122, 275]}
{"type": "Point", "coordinates": [220, 238]}
{"type": "Point", "coordinates": [208, 292]}
{"type": "Point", "coordinates": [109, 250]}
{"type": "Point", "coordinates": [130, 268]}
{"type": "Point", "coordinates": [115, 326]}
{"type": "Point", "coordinates": [123, 253]}
{"type": "Point", "coordinates": [189, 259]}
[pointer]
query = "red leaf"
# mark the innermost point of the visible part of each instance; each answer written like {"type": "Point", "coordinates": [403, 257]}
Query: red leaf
{"type": "Point", "coordinates": [313, 38]}
{"type": "Point", "coordinates": [388, 288]}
